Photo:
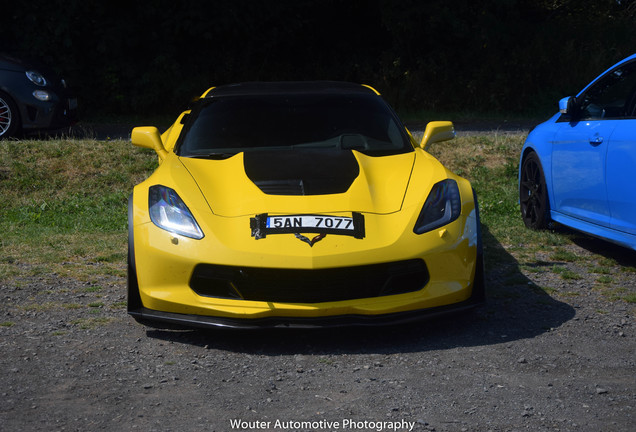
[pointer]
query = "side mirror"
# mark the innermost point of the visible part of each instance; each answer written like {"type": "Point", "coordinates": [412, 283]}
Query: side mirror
{"type": "Point", "coordinates": [148, 137]}
{"type": "Point", "coordinates": [569, 106]}
{"type": "Point", "coordinates": [437, 131]}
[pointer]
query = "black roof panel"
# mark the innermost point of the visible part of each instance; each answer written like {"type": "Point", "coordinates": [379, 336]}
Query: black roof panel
{"type": "Point", "coordinates": [288, 87]}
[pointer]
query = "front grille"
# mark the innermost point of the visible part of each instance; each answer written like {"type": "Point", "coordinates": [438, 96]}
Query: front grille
{"type": "Point", "coordinates": [309, 286]}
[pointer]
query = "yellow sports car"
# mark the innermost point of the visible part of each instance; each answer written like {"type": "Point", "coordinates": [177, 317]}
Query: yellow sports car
{"type": "Point", "coordinates": [299, 204]}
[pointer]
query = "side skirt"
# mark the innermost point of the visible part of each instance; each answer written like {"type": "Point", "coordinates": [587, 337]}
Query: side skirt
{"type": "Point", "coordinates": [614, 236]}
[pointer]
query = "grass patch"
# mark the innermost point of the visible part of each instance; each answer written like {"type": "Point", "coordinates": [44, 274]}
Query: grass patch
{"type": "Point", "coordinates": [111, 258]}
{"type": "Point", "coordinates": [65, 205]}
{"type": "Point", "coordinates": [600, 270]}
{"type": "Point", "coordinates": [563, 255]}
{"type": "Point", "coordinates": [38, 307]}
{"type": "Point", "coordinates": [607, 262]}
{"type": "Point", "coordinates": [604, 279]}
{"type": "Point", "coordinates": [66, 199]}
{"type": "Point", "coordinates": [490, 162]}
{"type": "Point", "coordinates": [91, 323]}
{"type": "Point", "coordinates": [566, 273]}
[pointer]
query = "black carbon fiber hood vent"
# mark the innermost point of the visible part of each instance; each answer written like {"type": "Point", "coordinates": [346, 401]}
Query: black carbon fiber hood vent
{"type": "Point", "coordinates": [301, 172]}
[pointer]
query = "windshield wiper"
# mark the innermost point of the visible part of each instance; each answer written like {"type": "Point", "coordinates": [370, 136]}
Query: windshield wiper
{"type": "Point", "coordinates": [214, 156]}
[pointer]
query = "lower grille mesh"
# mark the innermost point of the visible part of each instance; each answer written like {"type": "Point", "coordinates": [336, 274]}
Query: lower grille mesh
{"type": "Point", "coordinates": [309, 286]}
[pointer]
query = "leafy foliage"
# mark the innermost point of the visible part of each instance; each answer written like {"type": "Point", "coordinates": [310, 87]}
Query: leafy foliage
{"type": "Point", "coordinates": [492, 55]}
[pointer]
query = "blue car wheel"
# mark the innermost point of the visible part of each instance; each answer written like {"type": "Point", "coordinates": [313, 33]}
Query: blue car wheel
{"type": "Point", "coordinates": [533, 195]}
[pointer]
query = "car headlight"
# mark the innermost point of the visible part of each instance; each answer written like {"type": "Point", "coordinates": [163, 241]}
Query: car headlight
{"type": "Point", "coordinates": [42, 95]}
{"type": "Point", "coordinates": [169, 212]}
{"type": "Point", "coordinates": [442, 207]}
{"type": "Point", "coordinates": [36, 78]}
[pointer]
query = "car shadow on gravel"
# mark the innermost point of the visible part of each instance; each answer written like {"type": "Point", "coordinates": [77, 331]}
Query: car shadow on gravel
{"type": "Point", "coordinates": [619, 254]}
{"type": "Point", "coordinates": [515, 309]}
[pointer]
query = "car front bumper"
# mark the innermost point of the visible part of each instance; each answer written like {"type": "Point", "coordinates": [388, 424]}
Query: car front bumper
{"type": "Point", "coordinates": [47, 115]}
{"type": "Point", "coordinates": [175, 320]}
{"type": "Point", "coordinates": [176, 288]}
{"type": "Point", "coordinates": [230, 279]}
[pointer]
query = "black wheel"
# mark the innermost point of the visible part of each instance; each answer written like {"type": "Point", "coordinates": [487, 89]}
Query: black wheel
{"type": "Point", "coordinates": [533, 195]}
{"type": "Point", "coordinates": [134, 299]}
{"type": "Point", "coordinates": [9, 117]}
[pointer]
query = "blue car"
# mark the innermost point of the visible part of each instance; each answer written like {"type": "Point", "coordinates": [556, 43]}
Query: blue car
{"type": "Point", "coordinates": [579, 167]}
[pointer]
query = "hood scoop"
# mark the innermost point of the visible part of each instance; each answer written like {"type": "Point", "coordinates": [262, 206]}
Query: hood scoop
{"type": "Point", "coordinates": [369, 184]}
{"type": "Point", "coordinates": [301, 172]}
{"type": "Point", "coordinates": [281, 187]}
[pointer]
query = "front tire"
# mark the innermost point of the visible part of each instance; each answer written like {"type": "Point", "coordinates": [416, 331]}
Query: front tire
{"type": "Point", "coordinates": [9, 117]}
{"type": "Point", "coordinates": [134, 298]}
{"type": "Point", "coordinates": [479, 282]}
{"type": "Point", "coordinates": [533, 194]}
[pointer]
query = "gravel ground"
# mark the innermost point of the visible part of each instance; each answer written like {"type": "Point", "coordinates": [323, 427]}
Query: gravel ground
{"type": "Point", "coordinates": [72, 359]}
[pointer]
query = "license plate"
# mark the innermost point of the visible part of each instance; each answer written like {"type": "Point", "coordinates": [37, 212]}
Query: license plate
{"type": "Point", "coordinates": [310, 221]}
{"type": "Point", "coordinates": [264, 224]}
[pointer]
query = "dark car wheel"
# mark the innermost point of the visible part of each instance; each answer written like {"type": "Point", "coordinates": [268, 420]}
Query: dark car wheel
{"type": "Point", "coordinates": [9, 117]}
{"type": "Point", "coordinates": [533, 195]}
{"type": "Point", "coordinates": [134, 299]}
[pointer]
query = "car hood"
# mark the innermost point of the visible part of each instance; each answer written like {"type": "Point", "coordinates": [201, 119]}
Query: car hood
{"type": "Point", "coordinates": [11, 63]}
{"type": "Point", "coordinates": [302, 182]}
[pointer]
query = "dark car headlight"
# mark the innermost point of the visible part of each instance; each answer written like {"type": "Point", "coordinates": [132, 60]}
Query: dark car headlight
{"type": "Point", "coordinates": [36, 78]}
{"type": "Point", "coordinates": [442, 207]}
{"type": "Point", "coordinates": [169, 212]}
{"type": "Point", "coordinates": [42, 95]}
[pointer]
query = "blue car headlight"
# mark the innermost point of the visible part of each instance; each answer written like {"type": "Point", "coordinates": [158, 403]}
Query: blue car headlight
{"type": "Point", "coordinates": [442, 207]}
{"type": "Point", "coordinates": [169, 212]}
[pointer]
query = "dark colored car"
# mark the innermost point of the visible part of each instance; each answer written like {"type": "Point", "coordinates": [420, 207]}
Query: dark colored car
{"type": "Point", "coordinates": [32, 99]}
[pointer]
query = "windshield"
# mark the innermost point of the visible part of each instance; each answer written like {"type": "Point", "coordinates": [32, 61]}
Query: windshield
{"type": "Point", "coordinates": [224, 126]}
